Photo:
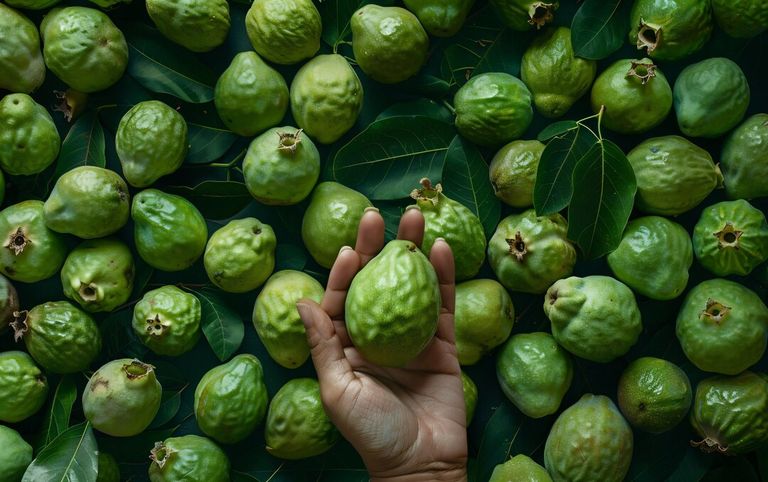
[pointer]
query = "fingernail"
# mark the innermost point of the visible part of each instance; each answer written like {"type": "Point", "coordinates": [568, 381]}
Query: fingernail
{"type": "Point", "coordinates": [344, 248]}
{"type": "Point", "coordinates": [441, 239]}
{"type": "Point", "coordinates": [411, 207]}
{"type": "Point", "coordinates": [371, 209]}
{"type": "Point", "coordinates": [305, 312]}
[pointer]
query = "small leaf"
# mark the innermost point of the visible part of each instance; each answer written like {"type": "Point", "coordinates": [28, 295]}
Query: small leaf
{"type": "Point", "coordinates": [427, 85]}
{"type": "Point", "coordinates": [142, 276]}
{"type": "Point", "coordinates": [135, 449]}
{"type": "Point", "coordinates": [57, 419]}
{"type": "Point", "coordinates": [169, 407]}
{"type": "Point", "coordinates": [600, 28]}
{"type": "Point", "coordinates": [72, 456]}
{"type": "Point", "coordinates": [383, 160]}
{"type": "Point", "coordinates": [83, 145]}
{"type": "Point", "coordinates": [118, 339]}
{"type": "Point", "coordinates": [391, 211]}
{"type": "Point", "coordinates": [604, 189]}
{"type": "Point", "coordinates": [215, 199]}
{"type": "Point", "coordinates": [207, 143]}
{"type": "Point", "coordinates": [419, 107]}
{"type": "Point", "coordinates": [290, 256]}
{"type": "Point", "coordinates": [556, 129]}
{"type": "Point", "coordinates": [335, 15]}
{"type": "Point", "coordinates": [222, 327]}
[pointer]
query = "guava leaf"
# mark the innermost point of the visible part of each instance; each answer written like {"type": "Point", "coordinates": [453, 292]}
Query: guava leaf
{"type": "Point", "coordinates": [600, 27]}
{"type": "Point", "coordinates": [71, 456]}
{"type": "Point", "coordinates": [222, 327]}
{"type": "Point", "coordinates": [208, 143]}
{"type": "Point", "coordinates": [169, 407]}
{"type": "Point", "coordinates": [215, 199]}
{"type": "Point", "coordinates": [83, 146]}
{"type": "Point", "coordinates": [57, 418]}
{"type": "Point", "coordinates": [419, 107]}
{"type": "Point", "coordinates": [556, 129]}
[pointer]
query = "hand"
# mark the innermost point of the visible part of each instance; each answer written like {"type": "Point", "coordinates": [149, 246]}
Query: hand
{"type": "Point", "coordinates": [408, 424]}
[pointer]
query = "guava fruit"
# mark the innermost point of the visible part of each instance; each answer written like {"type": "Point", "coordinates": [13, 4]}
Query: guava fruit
{"type": "Point", "coordinates": [493, 109]}
{"type": "Point", "coordinates": [590, 440]}
{"type": "Point", "coordinates": [670, 30]}
{"type": "Point", "coordinates": [89, 202]}
{"type": "Point", "coordinates": [83, 48]}
{"type": "Point", "coordinates": [21, 62]}
{"type": "Point", "coordinates": [169, 232]}
{"type": "Point", "coordinates": [635, 95]}
{"type": "Point", "coordinates": [722, 327]}
{"type": "Point", "coordinates": [109, 471]}
{"type": "Point", "coordinates": [29, 141]}
{"type": "Point", "coordinates": [456, 224]}
{"type": "Point", "coordinates": [744, 159]}
{"type": "Point", "coordinates": [284, 31]}
{"type": "Point", "coordinates": [653, 257]}
{"type": "Point", "coordinates": [231, 399]}
{"type": "Point", "coordinates": [151, 142]}
{"type": "Point", "coordinates": [513, 172]}
{"type": "Point", "coordinates": [711, 97]}
{"type": "Point", "coordinates": [470, 395]}
{"type": "Point", "coordinates": [326, 97]}
{"type": "Point", "coordinates": [122, 397]}
{"type": "Point", "coordinates": [281, 166]}
{"type": "Point", "coordinates": [98, 274]}
{"type": "Point", "coordinates": [522, 14]}
{"type": "Point", "coordinates": [528, 253]}
{"type": "Point", "coordinates": [484, 317]}
{"type": "Point", "coordinates": [240, 256]}
{"type": "Point", "coordinates": [673, 175]}
{"type": "Point", "coordinates": [731, 237]}
{"type": "Point", "coordinates": [15, 456]}
{"type": "Point", "coordinates": [741, 18]}
{"type": "Point", "coordinates": [30, 251]}
{"type": "Point", "coordinates": [32, 4]}
{"type": "Point", "coordinates": [654, 394]}
{"type": "Point", "coordinates": [276, 319]}
{"type": "Point", "coordinates": [167, 320]}
{"type": "Point", "coordinates": [331, 220]}
{"type": "Point", "coordinates": [595, 317]}
{"type": "Point", "coordinates": [297, 426]}
{"type": "Point", "coordinates": [60, 337]}
{"type": "Point", "coordinates": [190, 458]}
{"type": "Point", "coordinates": [393, 305]}
{"type": "Point", "coordinates": [520, 468]}
{"type": "Point", "coordinates": [23, 387]}
{"type": "Point", "coordinates": [441, 18]}
{"type": "Point", "coordinates": [198, 25]}
{"type": "Point", "coordinates": [731, 413]}
{"type": "Point", "coordinates": [9, 302]}
{"type": "Point", "coordinates": [534, 372]}
{"type": "Point", "coordinates": [389, 43]}
{"type": "Point", "coordinates": [250, 96]}
{"type": "Point", "coordinates": [554, 74]}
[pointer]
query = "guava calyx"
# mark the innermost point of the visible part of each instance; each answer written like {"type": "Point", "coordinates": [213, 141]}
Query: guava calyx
{"type": "Point", "coordinates": [70, 102]}
{"type": "Point", "coordinates": [517, 246]}
{"type": "Point", "coordinates": [709, 445]}
{"type": "Point", "coordinates": [160, 454]}
{"type": "Point", "coordinates": [156, 326]}
{"type": "Point", "coordinates": [427, 193]}
{"type": "Point", "coordinates": [17, 241]}
{"type": "Point", "coordinates": [644, 71]}
{"type": "Point", "coordinates": [137, 369]}
{"type": "Point", "coordinates": [19, 324]}
{"type": "Point", "coordinates": [728, 237]}
{"type": "Point", "coordinates": [289, 142]}
{"type": "Point", "coordinates": [541, 13]}
{"type": "Point", "coordinates": [715, 311]}
{"type": "Point", "coordinates": [648, 36]}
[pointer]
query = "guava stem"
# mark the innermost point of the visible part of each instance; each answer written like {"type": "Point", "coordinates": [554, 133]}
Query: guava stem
{"type": "Point", "coordinates": [541, 13]}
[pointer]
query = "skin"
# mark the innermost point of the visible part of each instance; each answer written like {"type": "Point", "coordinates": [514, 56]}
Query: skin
{"type": "Point", "coordinates": [423, 436]}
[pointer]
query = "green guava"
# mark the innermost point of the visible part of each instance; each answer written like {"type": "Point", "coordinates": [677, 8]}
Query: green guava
{"type": "Point", "coordinates": [9, 303]}
{"type": "Point", "coordinates": [744, 159]}
{"type": "Point", "coordinates": [15, 456]}
{"type": "Point", "coordinates": [29, 141]}
{"type": "Point", "coordinates": [522, 14]}
{"type": "Point", "coordinates": [513, 172]}
{"type": "Point", "coordinates": [21, 62]}
{"type": "Point", "coordinates": [240, 256]}
{"type": "Point", "coordinates": [470, 395]}
{"type": "Point", "coordinates": [484, 317]}
{"type": "Point", "coordinates": [284, 31]}
{"type": "Point", "coordinates": [167, 320]}
{"type": "Point", "coordinates": [741, 18]}
{"type": "Point", "coordinates": [189, 458]}
{"type": "Point", "coordinates": [520, 468]}
{"type": "Point", "coordinates": [32, 4]}
{"type": "Point", "coordinates": [670, 30]}
{"type": "Point", "coordinates": [109, 471]}
{"type": "Point", "coordinates": [441, 18]}
{"type": "Point", "coordinates": [198, 25]}
{"type": "Point", "coordinates": [23, 387]}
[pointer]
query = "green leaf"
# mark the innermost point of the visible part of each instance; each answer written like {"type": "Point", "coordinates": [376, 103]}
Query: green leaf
{"type": "Point", "coordinates": [465, 179]}
{"type": "Point", "coordinates": [118, 338]}
{"type": "Point", "coordinates": [427, 85]}
{"type": "Point", "coordinates": [392, 211]}
{"type": "Point", "coordinates": [166, 68]}
{"type": "Point", "coordinates": [215, 199]}
{"type": "Point", "coordinates": [222, 327]}
{"type": "Point", "coordinates": [419, 107]}
{"type": "Point", "coordinates": [135, 449]}
{"type": "Point", "coordinates": [57, 419]}
{"type": "Point", "coordinates": [72, 456]}
{"type": "Point", "coordinates": [142, 276]}
{"type": "Point", "coordinates": [290, 256]}
{"type": "Point", "coordinates": [207, 143]}
{"type": "Point", "coordinates": [600, 28]}
{"type": "Point", "coordinates": [604, 189]}
{"type": "Point", "coordinates": [693, 466]}
{"type": "Point", "coordinates": [83, 146]}
{"type": "Point", "coordinates": [390, 155]}
{"type": "Point", "coordinates": [556, 129]}
{"type": "Point", "coordinates": [335, 15]}
{"type": "Point", "coordinates": [169, 407]}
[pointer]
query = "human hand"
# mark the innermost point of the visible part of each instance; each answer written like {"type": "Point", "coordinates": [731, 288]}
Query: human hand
{"type": "Point", "coordinates": [407, 424]}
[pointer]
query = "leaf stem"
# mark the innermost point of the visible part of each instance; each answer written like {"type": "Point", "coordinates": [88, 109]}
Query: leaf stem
{"type": "Point", "coordinates": [449, 107]}
{"type": "Point", "coordinates": [600, 123]}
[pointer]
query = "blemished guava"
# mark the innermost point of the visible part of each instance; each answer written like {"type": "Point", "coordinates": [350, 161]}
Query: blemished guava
{"type": "Point", "coordinates": [190, 458]}
{"type": "Point", "coordinates": [513, 172]}
{"type": "Point", "coordinates": [240, 255]}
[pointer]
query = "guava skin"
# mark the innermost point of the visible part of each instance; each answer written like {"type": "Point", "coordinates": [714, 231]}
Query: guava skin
{"type": "Point", "coordinates": [741, 18]}
{"type": "Point", "coordinates": [331, 220]}
{"type": "Point", "coordinates": [109, 471]}
{"type": "Point", "coordinates": [151, 142]}
{"type": "Point", "coordinates": [326, 97]}
{"type": "Point", "coordinates": [24, 387]}
{"type": "Point", "coordinates": [534, 372]}
{"type": "Point", "coordinates": [281, 166]}
{"type": "Point", "coordinates": [731, 413]}
{"type": "Point", "coordinates": [250, 96]}
{"type": "Point", "coordinates": [60, 337]}
{"type": "Point", "coordinates": [169, 232]}
{"type": "Point", "coordinates": [297, 426]}
{"type": "Point", "coordinates": [9, 303]}
{"type": "Point", "coordinates": [723, 327]}
{"type": "Point", "coordinates": [29, 141]}
{"type": "Point", "coordinates": [190, 458]}
{"type": "Point", "coordinates": [276, 319]}
{"type": "Point", "coordinates": [493, 109]}
{"type": "Point", "coordinates": [636, 96]}
{"type": "Point", "coordinates": [528, 253]}
{"type": "Point", "coordinates": [389, 43]}
{"type": "Point", "coordinates": [15, 456]}
{"type": "Point", "coordinates": [470, 396]}
{"type": "Point", "coordinates": [711, 97]}
{"type": "Point", "coordinates": [122, 397]}
{"type": "Point", "coordinates": [513, 172]}
{"type": "Point", "coordinates": [441, 18]}
{"type": "Point", "coordinates": [231, 399]}
{"type": "Point", "coordinates": [198, 25]}
{"type": "Point", "coordinates": [21, 62]}
{"type": "Point", "coordinates": [89, 202]}
{"type": "Point", "coordinates": [595, 317]}
{"type": "Point", "coordinates": [653, 257]}
{"type": "Point", "coordinates": [654, 394]}
{"type": "Point", "coordinates": [520, 468]}
{"type": "Point", "coordinates": [284, 31]}
{"type": "Point", "coordinates": [554, 74]}
{"type": "Point", "coordinates": [484, 317]}
{"type": "Point", "coordinates": [673, 175]}
{"type": "Point", "coordinates": [523, 14]}
{"type": "Point", "coordinates": [240, 256]}
{"type": "Point", "coordinates": [670, 29]}
{"type": "Point", "coordinates": [744, 159]}
{"type": "Point", "coordinates": [30, 251]}
{"type": "Point", "coordinates": [83, 48]}
{"type": "Point", "coordinates": [167, 320]}
{"type": "Point", "coordinates": [98, 274]}
{"type": "Point", "coordinates": [589, 441]}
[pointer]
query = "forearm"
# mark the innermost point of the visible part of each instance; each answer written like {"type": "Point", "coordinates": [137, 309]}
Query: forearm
{"type": "Point", "coordinates": [448, 475]}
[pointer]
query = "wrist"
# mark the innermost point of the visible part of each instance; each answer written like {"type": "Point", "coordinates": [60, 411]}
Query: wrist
{"type": "Point", "coordinates": [443, 475]}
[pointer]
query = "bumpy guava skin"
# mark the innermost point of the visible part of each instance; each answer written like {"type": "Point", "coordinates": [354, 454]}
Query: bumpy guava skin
{"type": "Point", "coordinates": [190, 457]}
{"type": "Point", "coordinates": [199, 25]}
{"type": "Point", "coordinates": [284, 31]}
{"type": "Point", "coordinates": [167, 320]}
{"type": "Point", "coordinates": [29, 141]}
{"type": "Point", "coordinates": [253, 244]}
